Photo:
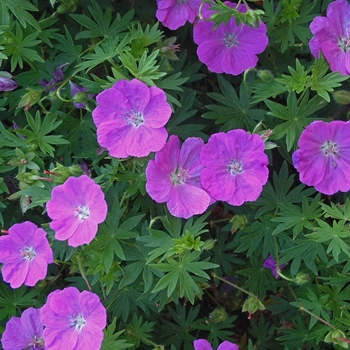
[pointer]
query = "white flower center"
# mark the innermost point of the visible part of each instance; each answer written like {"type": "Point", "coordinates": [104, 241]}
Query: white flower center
{"type": "Point", "coordinates": [37, 343]}
{"type": "Point", "coordinates": [28, 253]}
{"type": "Point", "coordinates": [81, 212]}
{"type": "Point", "coordinates": [330, 148]}
{"type": "Point", "coordinates": [77, 321]}
{"type": "Point", "coordinates": [179, 176]}
{"type": "Point", "coordinates": [235, 167]}
{"type": "Point", "coordinates": [134, 119]}
{"type": "Point", "coordinates": [230, 40]}
{"type": "Point", "coordinates": [344, 43]}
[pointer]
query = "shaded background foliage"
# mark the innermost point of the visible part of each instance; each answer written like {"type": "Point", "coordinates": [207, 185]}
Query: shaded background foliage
{"type": "Point", "coordinates": [162, 279]}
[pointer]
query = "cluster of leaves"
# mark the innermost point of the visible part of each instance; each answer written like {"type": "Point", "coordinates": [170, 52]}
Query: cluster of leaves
{"type": "Point", "coordinates": [167, 281]}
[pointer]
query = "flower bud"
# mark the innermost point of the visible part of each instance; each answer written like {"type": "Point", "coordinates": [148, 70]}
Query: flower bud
{"type": "Point", "coordinates": [63, 173]}
{"type": "Point", "coordinates": [265, 75]}
{"type": "Point", "coordinates": [7, 84]}
{"type": "Point", "coordinates": [238, 222]}
{"type": "Point", "coordinates": [336, 337]}
{"type": "Point", "coordinates": [218, 315]}
{"type": "Point", "coordinates": [209, 244]}
{"type": "Point", "coordinates": [29, 99]}
{"type": "Point", "coordinates": [342, 97]}
{"type": "Point", "coordinates": [301, 278]}
{"type": "Point", "coordinates": [251, 305]}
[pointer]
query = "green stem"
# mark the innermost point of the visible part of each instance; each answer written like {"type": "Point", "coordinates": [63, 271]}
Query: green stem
{"type": "Point", "coordinates": [81, 269]}
{"type": "Point", "coordinates": [234, 285]}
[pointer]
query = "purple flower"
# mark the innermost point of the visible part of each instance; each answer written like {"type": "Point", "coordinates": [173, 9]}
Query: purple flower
{"type": "Point", "coordinates": [58, 76]}
{"type": "Point", "coordinates": [229, 48]}
{"type": "Point", "coordinates": [76, 208]}
{"type": "Point", "coordinates": [174, 177]}
{"type": "Point", "coordinates": [174, 13]}
{"type": "Point", "coordinates": [25, 253]}
{"type": "Point", "coordinates": [203, 344]}
{"type": "Point", "coordinates": [24, 332]}
{"type": "Point", "coordinates": [73, 320]}
{"type": "Point", "coordinates": [323, 157]}
{"type": "Point", "coordinates": [7, 84]}
{"type": "Point", "coordinates": [235, 166]}
{"type": "Point", "coordinates": [332, 36]}
{"type": "Point", "coordinates": [75, 89]}
{"type": "Point", "coordinates": [130, 119]}
{"type": "Point", "coordinates": [270, 263]}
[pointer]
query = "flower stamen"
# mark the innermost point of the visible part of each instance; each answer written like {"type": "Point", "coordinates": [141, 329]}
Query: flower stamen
{"type": "Point", "coordinates": [134, 119]}
{"type": "Point", "coordinates": [179, 176]}
{"type": "Point", "coordinates": [28, 253]}
{"type": "Point", "coordinates": [235, 167]}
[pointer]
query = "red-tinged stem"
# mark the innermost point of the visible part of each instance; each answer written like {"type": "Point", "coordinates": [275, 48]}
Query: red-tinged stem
{"type": "Point", "coordinates": [5, 232]}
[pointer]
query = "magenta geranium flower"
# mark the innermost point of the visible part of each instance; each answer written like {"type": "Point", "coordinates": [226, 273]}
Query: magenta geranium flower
{"type": "Point", "coordinates": [323, 157]}
{"type": "Point", "coordinates": [235, 166]}
{"type": "Point", "coordinates": [174, 13]}
{"type": "Point", "coordinates": [229, 48]}
{"type": "Point", "coordinates": [73, 320]}
{"type": "Point", "coordinates": [24, 332]}
{"type": "Point", "coordinates": [203, 344]}
{"type": "Point", "coordinates": [25, 253]}
{"type": "Point", "coordinates": [270, 263]}
{"type": "Point", "coordinates": [332, 36]}
{"type": "Point", "coordinates": [174, 177]}
{"type": "Point", "coordinates": [76, 208]}
{"type": "Point", "coordinates": [130, 119]}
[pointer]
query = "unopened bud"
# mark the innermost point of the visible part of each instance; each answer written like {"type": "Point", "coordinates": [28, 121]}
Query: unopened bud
{"type": "Point", "coordinates": [238, 222]}
{"type": "Point", "coordinates": [209, 244]}
{"type": "Point", "coordinates": [251, 305]}
{"type": "Point", "coordinates": [265, 75]}
{"type": "Point", "coordinates": [342, 97]}
{"type": "Point", "coordinates": [301, 278]}
{"type": "Point", "coordinates": [336, 337]}
{"type": "Point", "coordinates": [29, 99]}
{"type": "Point", "coordinates": [218, 315]}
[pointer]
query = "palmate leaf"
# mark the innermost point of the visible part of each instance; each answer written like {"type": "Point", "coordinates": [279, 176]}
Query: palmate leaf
{"type": "Point", "coordinates": [316, 304]}
{"type": "Point", "coordinates": [232, 112]}
{"type": "Point", "coordinates": [101, 25]}
{"type": "Point", "coordinates": [288, 30]}
{"type": "Point", "coordinates": [19, 48]}
{"type": "Point", "coordinates": [340, 212]}
{"type": "Point", "coordinates": [110, 339]}
{"type": "Point", "coordinates": [280, 192]}
{"type": "Point", "coordinates": [145, 69]}
{"type": "Point", "coordinates": [179, 275]}
{"type": "Point", "coordinates": [304, 250]}
{"type": "Point", "coordinates": [178, 332]}
{"type": "Point", "coordinates": [292, 216]}
{"type": "Point", "coordinates": [20, 9]}
{"type": "Point", "coordinates": [333, 235]}
{"type": "Point", "coordinates": [296, 116]}
{"type": "Point", "coordinates": [257, 238]}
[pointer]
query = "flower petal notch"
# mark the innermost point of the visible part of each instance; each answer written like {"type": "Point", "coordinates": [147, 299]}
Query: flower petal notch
{"type": "Point", "coordinates": [24, 332]}
{"type": "Point", "coordinates": [229, 48]}
{"type": "Point", "coordinates": [323, 157]}
{"type": "Point", "coordinates": [174, 177]}
{"type": "Point", "coordinates": [235, 166]}
{"type": "Point", "coordinates": [175, 13]}
{"type": "Point", "coordinates": [332, 36]}
{"type": "Point", "coordinates": [25, 253]}
{"type": "Point", "coordinates": [73, 320]}
{"type": "Point", "coordinates": [76, 208]}
{"type": "Point", "coordinates": [130, 119]}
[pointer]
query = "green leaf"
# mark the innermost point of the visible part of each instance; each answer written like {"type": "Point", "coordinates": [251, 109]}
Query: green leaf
{"type": "Point", "coordinates": [20, 9]}
{"type": "Point", "coordinates": [232, 112]}
{"type": "Point", "coordinates": [292, 216]}
{"type": "Point", "coordinates": [334, 234]}
{"type": "Point", "coordinates": [145, 68]}
{"type": "Point", "coordinates": [110, 339]}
